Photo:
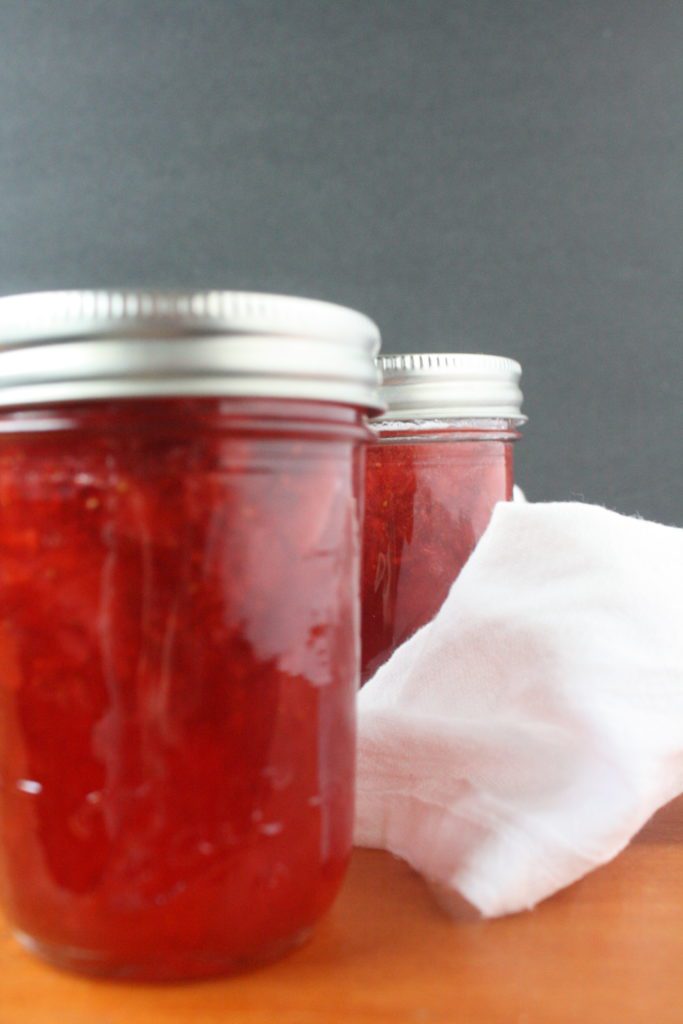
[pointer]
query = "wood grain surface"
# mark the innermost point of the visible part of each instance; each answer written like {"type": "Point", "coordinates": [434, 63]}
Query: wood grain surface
{"type": "Point", "coordinates": [609, 950]}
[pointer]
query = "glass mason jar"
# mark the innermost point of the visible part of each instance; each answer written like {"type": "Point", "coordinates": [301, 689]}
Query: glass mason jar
{"type": "Point", "coordinates": [441, 459]}
{"type": "Point", "coordinates": [179, 619]}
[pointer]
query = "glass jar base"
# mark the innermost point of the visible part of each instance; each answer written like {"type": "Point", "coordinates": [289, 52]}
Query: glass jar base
{"type": "Point", "coordinates": [167, 968]}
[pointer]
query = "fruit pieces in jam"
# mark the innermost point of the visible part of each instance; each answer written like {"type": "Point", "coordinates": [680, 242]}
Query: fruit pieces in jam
{"type": "Point", "coordinates": [428, 499]}
{"type": "Point", "coordinates": [178, 666]}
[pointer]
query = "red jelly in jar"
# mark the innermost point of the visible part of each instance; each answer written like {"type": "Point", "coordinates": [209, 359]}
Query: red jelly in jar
{"type": "Point", "coordinates": [441, 460]}
{"type": "Point", "coordinates": [179, 619]}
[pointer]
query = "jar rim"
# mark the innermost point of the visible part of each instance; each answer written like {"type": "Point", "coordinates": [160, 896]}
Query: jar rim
{"type": "Point", "coordinates": [86, 345]}
{"type": "Point", "coordinates": [451, 428]}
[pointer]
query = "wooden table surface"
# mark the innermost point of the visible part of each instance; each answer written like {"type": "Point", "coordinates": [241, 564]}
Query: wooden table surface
{"type": "Point", "coordinates": [609, 950]}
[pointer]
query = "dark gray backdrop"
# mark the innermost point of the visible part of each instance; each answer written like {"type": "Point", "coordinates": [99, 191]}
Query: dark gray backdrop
{"type": "Point", "coordinates": [485, 175]}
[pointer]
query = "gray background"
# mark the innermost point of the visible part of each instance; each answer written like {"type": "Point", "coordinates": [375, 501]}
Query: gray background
{"type": "Point", "coordinates": [482, 175]}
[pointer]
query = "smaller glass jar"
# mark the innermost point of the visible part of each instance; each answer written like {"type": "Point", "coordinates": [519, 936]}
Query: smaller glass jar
{"type": "Point", "coordinates": [441, 460]}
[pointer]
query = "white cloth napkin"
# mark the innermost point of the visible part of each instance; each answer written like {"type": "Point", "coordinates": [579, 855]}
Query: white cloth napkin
{"type": "Point", "coordinates": [523, 736]}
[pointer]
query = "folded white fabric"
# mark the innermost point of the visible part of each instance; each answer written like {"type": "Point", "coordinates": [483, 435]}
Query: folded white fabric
{"type": "Point", "coordinates": [523, 736]}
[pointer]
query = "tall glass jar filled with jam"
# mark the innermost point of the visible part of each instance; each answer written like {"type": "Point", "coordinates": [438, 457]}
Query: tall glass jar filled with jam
{"type": "Point", "coordinates": [442, 458]}
{"type": "Point", "coordinates": [179, 613]}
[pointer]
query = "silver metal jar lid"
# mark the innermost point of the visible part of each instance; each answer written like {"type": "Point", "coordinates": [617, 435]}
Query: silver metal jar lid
{"type": "Point", "coordinates": [81, 345]}
{"type": "Point", "coordinates": [449, 384]}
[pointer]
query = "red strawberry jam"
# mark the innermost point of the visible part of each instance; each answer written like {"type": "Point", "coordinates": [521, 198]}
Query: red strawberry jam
{"type": "Point", "coordinates": [427, 503]}
{"type": "Point", "coordinates": [179, 582]}
{"type": "Point", "coordinates": [442, 458]}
